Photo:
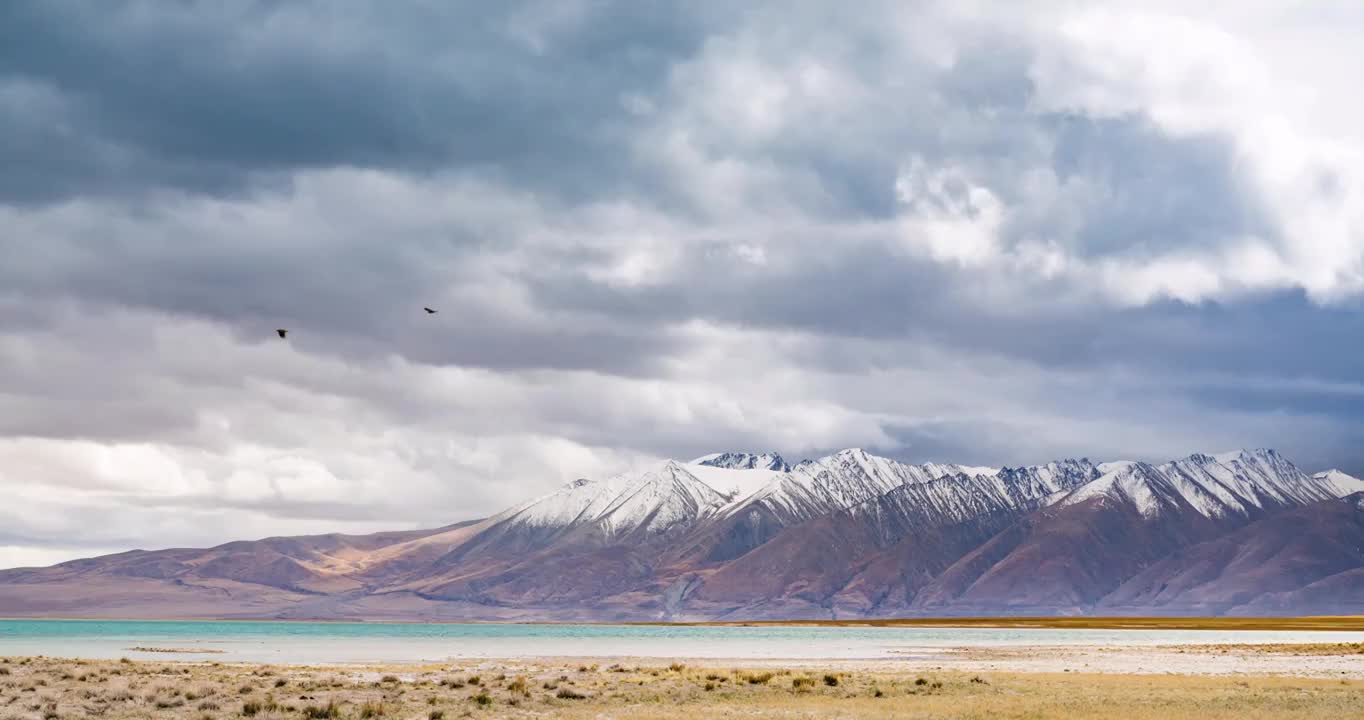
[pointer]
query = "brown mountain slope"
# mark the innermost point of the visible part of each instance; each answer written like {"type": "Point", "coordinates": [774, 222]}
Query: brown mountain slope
{"type": "Point", "coordinates": [1310, 556]}
{"type": "Point", "coordinates": [261, 578]}
{"type": "Point", "coordinates": [1065, 558]}
{"type": "Point", "coordinates": [852, 561]}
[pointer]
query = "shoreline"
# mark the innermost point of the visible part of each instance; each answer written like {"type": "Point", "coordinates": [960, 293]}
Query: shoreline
{"type": "Point", "coordinates": [1299, 623]}
{"type": "Point", "coordinates": [1305, 623]}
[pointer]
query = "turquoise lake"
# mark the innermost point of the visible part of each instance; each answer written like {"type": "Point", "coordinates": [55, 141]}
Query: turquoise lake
{"type": "Point", "coordinates": [346, 642]}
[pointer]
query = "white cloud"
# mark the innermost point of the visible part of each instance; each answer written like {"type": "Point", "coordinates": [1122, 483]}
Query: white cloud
{"type": "Point", "coordinates": [1295, 128]}
{"type": "Point", "coordinates": [949, 216]}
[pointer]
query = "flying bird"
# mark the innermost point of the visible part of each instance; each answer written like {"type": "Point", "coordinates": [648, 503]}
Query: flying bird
{"type": "Point", "coordinates": [282, 332]}
{"type": "Point", "coordinates": [429, 311]}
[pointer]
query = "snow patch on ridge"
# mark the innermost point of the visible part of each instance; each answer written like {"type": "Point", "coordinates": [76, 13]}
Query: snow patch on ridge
{"type": "Point", "coordinates": [653, 499]}
{"type": "Point", "coordinates": [566, 505]}
{"type": "Point", "coordinates": [1340, 483]}
{"type": "Point", "coordinates": [1231, 483]}
{"type": "Point", "coordinates": [659, 499]}
{"type": "Point", "coordinates": [744, 461]}
{"type": "Point", "coordinates": [734, 484]}
{"type": "Point", "coordinates": [1130, 483]}
{"type": "Point", "coordinates": [842, 480]}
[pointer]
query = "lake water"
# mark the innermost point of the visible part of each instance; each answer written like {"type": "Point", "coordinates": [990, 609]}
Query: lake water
{"type": "Point", "coordinates": [339, 642]}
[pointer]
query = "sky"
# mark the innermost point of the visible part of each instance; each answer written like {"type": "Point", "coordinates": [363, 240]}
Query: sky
{"type": "Point", "coordinates": [987, 233]}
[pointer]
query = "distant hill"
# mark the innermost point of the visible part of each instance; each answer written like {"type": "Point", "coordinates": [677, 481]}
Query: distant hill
{"type": "Point", "coordinates": [738, 536]}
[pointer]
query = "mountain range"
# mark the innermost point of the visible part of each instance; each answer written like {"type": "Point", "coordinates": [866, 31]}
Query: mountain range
{"type": "Point", "coordinates": [739, 536]}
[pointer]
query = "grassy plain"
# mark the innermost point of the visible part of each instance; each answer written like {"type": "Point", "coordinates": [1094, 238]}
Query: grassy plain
{"type": "Point", "coordinates": [51, 689]}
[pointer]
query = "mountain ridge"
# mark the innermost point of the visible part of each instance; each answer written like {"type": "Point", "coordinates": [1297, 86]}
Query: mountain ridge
{"type": "Point", "coordinates": [749, 536]}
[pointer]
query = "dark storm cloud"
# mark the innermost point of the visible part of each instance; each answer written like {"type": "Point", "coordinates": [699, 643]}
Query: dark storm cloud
{"type": "Point", "coordinates": [120, 96]}
{"type": "Point", "coordinates": [230, 92]}
{"type": "Point", "coordinates": [854, 289]}
{"type": "Point", "coordinates": [1159, 192]}
{"type": "Point", "coordinates": [1286, 398]}
{"type": "Point", "coordinates": [1241, 357]}
{"type": "Point", "coordinates": [353, 294]}
{"type": "Point", "coordinates": [130, 97]}
{"type": "Point", "coordinates": [268, 87]}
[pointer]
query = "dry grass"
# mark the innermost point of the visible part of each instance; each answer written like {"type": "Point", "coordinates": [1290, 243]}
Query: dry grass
{"type": "Point", "coordinates": [55, 689]}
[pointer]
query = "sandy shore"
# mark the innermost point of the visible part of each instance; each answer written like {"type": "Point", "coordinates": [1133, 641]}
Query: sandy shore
{"type": "Point", "coordinates": [1337, 661]}
{"type": "Point", "coordinates": [1326, 662]}
{"type": "Point", "coordinates": [1137, 682]}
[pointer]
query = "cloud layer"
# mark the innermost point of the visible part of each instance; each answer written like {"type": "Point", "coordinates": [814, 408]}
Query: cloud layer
{"type": "Point", "coordinates": [940, 230]}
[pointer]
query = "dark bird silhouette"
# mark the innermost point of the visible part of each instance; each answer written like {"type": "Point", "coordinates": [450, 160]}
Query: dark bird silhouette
{"type": "Point", "coordinates": [282, 332]}
{"type": "Point", "coordinates": [429, 311]}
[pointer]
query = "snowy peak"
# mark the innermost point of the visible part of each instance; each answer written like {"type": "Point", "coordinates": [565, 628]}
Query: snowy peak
{"type": "Point", "coordinates": [671, 496]}
{"type": "Point", "coordinates": [1139, 484]}
{"type": "Point", "coordinates": [1044, 480]}
{"type": "Point", "coordinates": [658, 500]}
{"type": "Point", "coordinates": [1339, 483]}
{"type": "Point", "coordinates": [1242, 484]}
{"type": "Point", "coordinates": [962, 496]}
{"type": "Point", "coordinates": [733, 484]}
{"type": "Point", "coordinates": [744, 461]}
{"type": "Point", "coordinates": [652, 500]}
{"type": "Point", "coordinates": [858, 466]}
{"type": "Point", "coordinates": [565, 506]}
{"type": "Point", "coordinates": [839, 481]}
{"type": "Point", "coordinates": [1243, 455]}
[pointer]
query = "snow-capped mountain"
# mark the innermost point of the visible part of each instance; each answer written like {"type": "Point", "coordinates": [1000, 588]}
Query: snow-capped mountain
{"type": "Point", "coordinates": [738, 535]}
{"type": "Point", "coordinates": [658, 495]}
{"type": "Point", "coordinates": [1340, 483]}
{"type": "Point", "coordinates": [649, 502]}
{"type": "Point", "coordinates": [959, 497]}
{"type": "Point", "coordinates": [659, 500]}
{"type": "Point", "coordinates": [918, 525]}
{"type": "Point", "coordinates": [1240, 484]}
{"type": "Point", "coordinates": [839, 481]}
{"type": "Point", "coordinates": [1301, 561]}
{"type": "Point", "coordinates": [735, 485]}
{"type": "Point", "coordinates": [673, 494]}
{"type": "Point", "coordinates": [813, 489]}
{"type": "Point", "coordinates": [744, 461]}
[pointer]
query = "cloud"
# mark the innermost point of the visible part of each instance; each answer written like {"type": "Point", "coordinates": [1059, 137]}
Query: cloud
{"type": "Point", "coordinates": [651, 230]}
{"type": "Point", "coordinates": [210, 99]}
{"type": "Point", "coordinates": [1212, 75]}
